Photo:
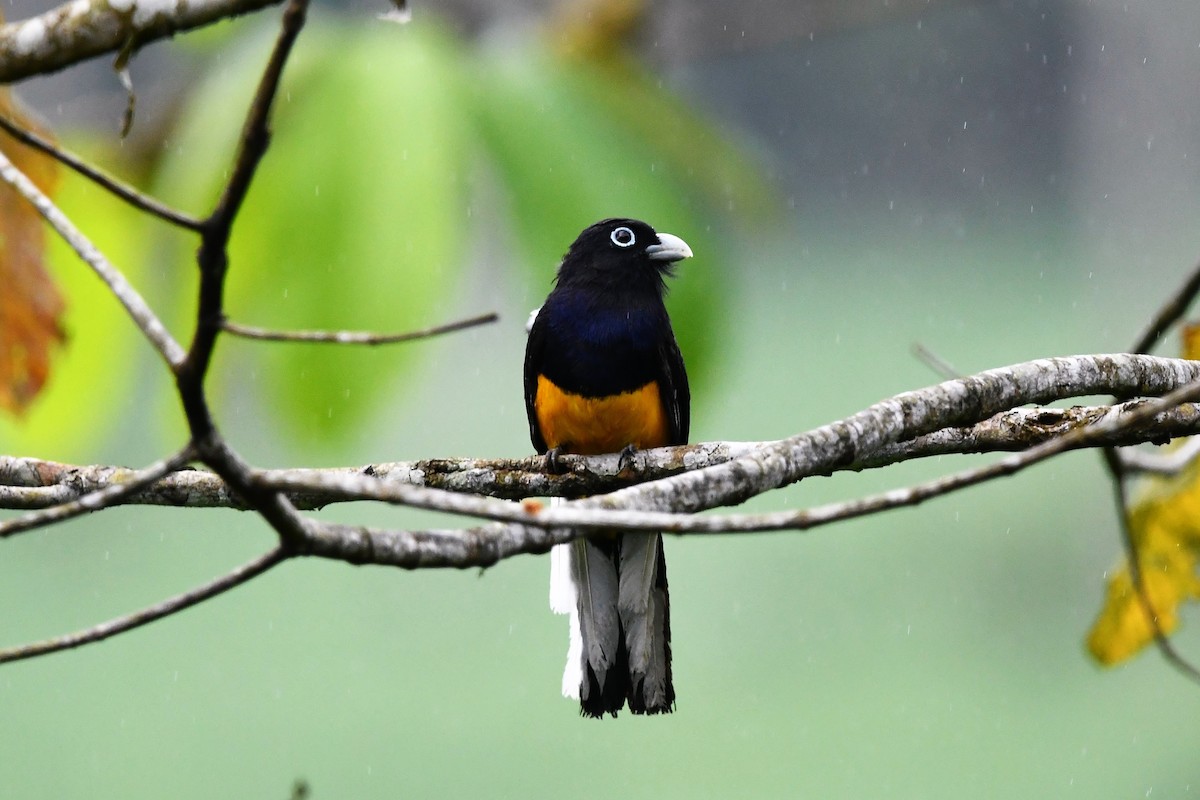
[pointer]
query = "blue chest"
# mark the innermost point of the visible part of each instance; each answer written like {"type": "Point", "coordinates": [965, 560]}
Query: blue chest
{"type": "Point", "coordinates": [598, 348]}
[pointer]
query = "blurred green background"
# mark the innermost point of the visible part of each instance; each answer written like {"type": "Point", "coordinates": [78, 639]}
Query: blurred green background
{"type": "Point", "coordinates": [997, 181]}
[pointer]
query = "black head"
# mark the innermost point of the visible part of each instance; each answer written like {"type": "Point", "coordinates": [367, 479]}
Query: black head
{"type": "Point", "coordinates": [621, 253]}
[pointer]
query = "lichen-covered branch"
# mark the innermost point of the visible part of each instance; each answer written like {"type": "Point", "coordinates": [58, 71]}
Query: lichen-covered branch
{"type": "Point", "coordinates": [29, 483]}
{"type": "Point", "coordinates": [82, 29]}
{"type": "Point", "coordinates": [73, 500]}
{"type": "Point", "coordinates": [951, 404]}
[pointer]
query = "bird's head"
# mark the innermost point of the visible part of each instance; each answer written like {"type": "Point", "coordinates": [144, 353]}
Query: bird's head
{"type": "Point", "coordinates": [622, 252]}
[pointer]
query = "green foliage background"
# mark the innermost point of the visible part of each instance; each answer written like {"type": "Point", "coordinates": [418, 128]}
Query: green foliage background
{"type": "Point", "coordinates": [414, 178]}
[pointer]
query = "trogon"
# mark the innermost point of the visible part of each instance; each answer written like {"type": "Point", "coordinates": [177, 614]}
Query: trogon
{"type": "Point", "coordinates": [603, 374]}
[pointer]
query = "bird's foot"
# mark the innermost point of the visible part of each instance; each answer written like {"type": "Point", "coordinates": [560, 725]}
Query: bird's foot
{"type": "Point", "coordinates": [554, 464]}
{"type": "Point", "coordinates": [626, 460]}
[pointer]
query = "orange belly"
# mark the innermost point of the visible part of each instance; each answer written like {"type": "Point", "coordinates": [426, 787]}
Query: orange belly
{"type": "Point", "coordinates": [594, 425]}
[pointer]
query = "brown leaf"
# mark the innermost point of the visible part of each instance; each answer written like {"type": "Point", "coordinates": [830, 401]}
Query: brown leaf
{"type": "Point", "coordinates": [30, 305]}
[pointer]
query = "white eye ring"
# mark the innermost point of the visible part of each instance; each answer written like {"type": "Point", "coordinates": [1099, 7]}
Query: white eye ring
{"type": "Point", "coordinates": [622, 237]}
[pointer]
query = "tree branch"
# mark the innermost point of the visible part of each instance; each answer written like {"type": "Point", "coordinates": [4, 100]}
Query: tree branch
{"type": "Point", "coordinates": [142, 315]}
{"type": "Point", "coordinates": [157, 611]}
{"type": "Point", "coordinates": [741, 471]}
{"type": "Point", "coordinates": [83, 29]}
{"type": "Point", "coordinates": [1171, 462]}
{"type": "Point", "coordinates": [774, 465]}
{"type": "Point", "coordinates": [970, 414]}
{"type": "Point", "coordinates": [1170, 313]}
{"type": "Point", "coordinates": [213, 256]}
{"type": "Point", "coordinates": [100, 178]}
{"type": "Point", "coordinates": [1022, 428]}
{"type": "Point", "coordinates": [118, 486]}
{"type": "Point", "coordinates": [213, 260]}
{"type": "Point", "coordinates": [481, 546]}
{"type": "Point", "coordinates": [28, 483]}
{"type": "Point", "coordinates": [353, 337]}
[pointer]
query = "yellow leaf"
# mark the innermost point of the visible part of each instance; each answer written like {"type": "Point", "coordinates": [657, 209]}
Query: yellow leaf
{"type": "Point", "coordinates": [30, 304]}
{"type": "Point", "coordinates": [1191, 342]}
{"type": "Point", "coordinates": [1123, 627]}
{"type": "Point", "coordinates": [1164, 528]}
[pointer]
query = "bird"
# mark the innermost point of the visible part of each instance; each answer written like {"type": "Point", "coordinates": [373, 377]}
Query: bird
{"type": "Point", "coordinates": [604, 374]}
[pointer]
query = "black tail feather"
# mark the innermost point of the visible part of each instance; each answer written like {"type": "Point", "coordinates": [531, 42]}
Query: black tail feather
{"type": "Point", "coordinates": [637, 691]}
{"type": "Point", "coordinates": [642, 623]}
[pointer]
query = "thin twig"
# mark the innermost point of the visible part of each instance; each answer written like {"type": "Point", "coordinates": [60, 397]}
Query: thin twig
{"type": "Point", "coordinates": [353, 337]}
{"type": "Point", "coordinates": [256, 133]}
{"type": "Point", "coordinates": [103, 498]}
{"type": "Point", "coordinates": [157, 611]}
{"type": "Point", "coordinates": [213, 257]}
{"type": "Point", "coordinates": [138, 309]}
{"type": "Point", "coordinates": [1170, 313]}
{"type": "Point", "coordinates": [102, 179]}
{"type": "Point", "coordinates": [939, 365]}
{"type": "Point", "coordinates": [1170, 463]}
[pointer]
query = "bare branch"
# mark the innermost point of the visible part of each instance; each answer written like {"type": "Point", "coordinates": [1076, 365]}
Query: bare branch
{"type": "Point", "coordinates": [141, 313]}
{"type": "Point", "coordinates": [484, 545]}
{"type": "Point", "coordinates": [157, 611]}
{"type": "Point", "coordinates": [101, 178]}
{"type": "Point", "coordinates": [766, 467]}
{"type": "Point", "coordinates": [914, 495]}
{"type": "Point", "coordinates": [121, 484]}
{"type": "Point", "coordinates": [1171, 462]}
{"type": "Point", "coordinates": [597, 514]}
{"type": "Point", "coordinates": [1171, 312]}
{"type": "Point", "coordinates": [353, 337]}
{"type": "Point", "coordinates": [213, 261]}
{"type": "Point", "coordinates": [213, 257]}
{"type": "Point", "coordinates": [33, 483]}
{"type": "Point", "coordinates": [82, 29]}
{"type": "Point", "coordinates": [1022, 428]}
{"type": "Point", "coordinates": [858, 437]}
{"type": "Point", "coordinates": [939, 365]}
{"type": "Point", "coordinates": [256, 133]}
{"type": "Point", "coordinates": [480, 546]}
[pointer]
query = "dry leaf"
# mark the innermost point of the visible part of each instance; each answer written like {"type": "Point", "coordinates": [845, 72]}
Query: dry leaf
{"type": "Point", "coordinates": [1164, 526]}
{"type": "Point", "coordinates": [30, 304]}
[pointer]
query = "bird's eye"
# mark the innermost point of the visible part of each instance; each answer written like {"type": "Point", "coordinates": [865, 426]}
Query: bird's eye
{"type": "Point", "coordinates": [622, 237]}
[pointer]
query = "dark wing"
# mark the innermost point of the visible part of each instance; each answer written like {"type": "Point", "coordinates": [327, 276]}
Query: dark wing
{"type": "Point", "coordinates": [535, 349]}
{"type": "Point", "coordinates": [673, 389]}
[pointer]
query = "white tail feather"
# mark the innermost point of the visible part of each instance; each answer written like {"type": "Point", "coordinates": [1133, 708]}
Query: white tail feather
{"type": "Point", "coordinates": [573, 671]}
{"type": "Point", "coordinates": [564, 598]}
